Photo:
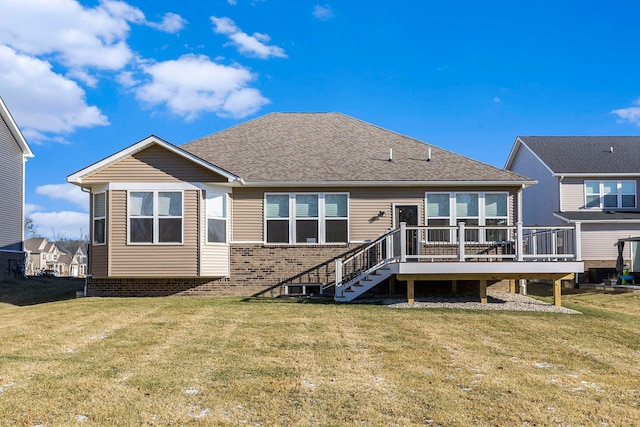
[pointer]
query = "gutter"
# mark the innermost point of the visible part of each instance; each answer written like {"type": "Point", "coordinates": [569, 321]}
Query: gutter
{"type": "Point", "coordinates": [384, 183]}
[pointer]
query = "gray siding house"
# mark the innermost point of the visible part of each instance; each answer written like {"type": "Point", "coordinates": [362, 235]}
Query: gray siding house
{"type": "Point", "coordinates": [586, 180]}
{"type": "Point", "coordinates": [14, 151]}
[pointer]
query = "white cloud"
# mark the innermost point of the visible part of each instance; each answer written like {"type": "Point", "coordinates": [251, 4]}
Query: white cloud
{"type": "Point", "coordinates": [323, 13]}
{"type": "Point", "coordinates": [29, 208]}
{"type": "Point", "coordinates": [68, 224]}
{"type": "Point", "coordinates": [497, 100]}
{"type": "Point", "coordinates": [42, 101]}
{"type": "Point", "coordinates": [193, 84]}
{"type": "Point", "coordinates": [250, 45]}
{"type": "Point", "coordinates": [75, 35]}
{"type": "Point", "coordinates": [126, 79]}
{"type": "Point", "coordinates": [243, 102]}
{"type": "Point", "coordinates": [629, 114]}
{"type": "Point", "coordinates": [69, 192]}
{"type": "Point", "coordinates": [232, 2]}
{"type": "Point", "coordinates": [171, 23]}
{"type": "Point", "coordinates": [83, 76]}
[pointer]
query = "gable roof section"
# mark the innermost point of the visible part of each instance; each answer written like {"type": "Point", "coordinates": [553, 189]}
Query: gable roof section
{"type": "Point", "coordinates": [583, 155]}
{"type": "Point", "coordinates": [298, 148]}
{"type": "Point", "coordinates": [77, 177]}
{"type": "Point", "coordinates": [15, 131]}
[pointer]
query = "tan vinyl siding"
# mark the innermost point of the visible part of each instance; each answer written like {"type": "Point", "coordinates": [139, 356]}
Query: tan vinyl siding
{"type": "Point", "coordinates": [542, 199]}
{"type": "Point", "coordinates": [599, 240]}
{"type": "Point", "coordinates": [214, 258]}
{"type": "Point", "coordinates": [247, 214]}
{"type": "Point", "coordinates": [11, 197]}
{"type": "Point", "coordinates": [573, 194]}
{"type": "Point", "coordinates": [154, 164]}
{"type": "Point", "coordinates": [153, 260]}
{"type": "Point", "coordinates": [98, 261]}
{"type": "Point", "coordinates": [364, 207]}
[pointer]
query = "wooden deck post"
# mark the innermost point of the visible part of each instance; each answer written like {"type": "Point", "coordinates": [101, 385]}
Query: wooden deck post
{"type": "Point", "coordinates": [483, 291]}
{"type": "Point", "coordinates": [410, 291]}
{"type": "Point", "coordinates": [454, 287]}
{"type": "Point", "coordinates": [512, 286]}
{"type": "Point", "coordinates": [392, 285]}
{"type": "Point", "coordinates": [557, 293]}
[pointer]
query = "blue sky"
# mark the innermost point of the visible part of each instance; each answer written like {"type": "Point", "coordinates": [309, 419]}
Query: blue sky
{"type": "Point", "coordinates": [84, 79]}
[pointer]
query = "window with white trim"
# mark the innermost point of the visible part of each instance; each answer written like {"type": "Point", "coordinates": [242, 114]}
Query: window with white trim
{"type": "Point", "coordinates": [99, 218]}
{"type": "Point", "coordinates": [155, 217]}
{"type": "Point", "coordinates": [216, 217]}
{"type": "Point", "coordinates": [496, 213]}
{"type": "Point", "coordinates": [610, 194]}
{"type": "Point", "coordinates": [277, 218]}
{"type": "Point", "coordinates": [467, 212]}
{"type": "Point", "coordinates": [474, 209]}
{"type": "Point", "coordinates": [438, 215]}
{"type": "Point", "coordinates": [298, 218]}
{"type": "Point", "coordinates": [336, 218]}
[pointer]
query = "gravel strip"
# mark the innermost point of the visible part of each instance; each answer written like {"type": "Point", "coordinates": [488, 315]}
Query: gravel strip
{"type": "Point", "coordinates": [495, 301]}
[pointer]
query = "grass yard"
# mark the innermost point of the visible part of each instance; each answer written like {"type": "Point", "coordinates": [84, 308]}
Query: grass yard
{"type": "Point", "coordinates": [205, 361]}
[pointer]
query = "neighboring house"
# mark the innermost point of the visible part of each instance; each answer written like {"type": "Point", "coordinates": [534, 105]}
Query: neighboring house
{"type": "Point", "coordinates": [292, 202]}
{"type": "Point", "coordinates": [75, 252]}
{"type": "Point", "coordinates": [14, 151]}
{"type": "Point", "coordinates": [64, 258]}
{"type": "Point", "coordinates": [42, 255]}
{"type": "Point", "coordinates": [586, 180]}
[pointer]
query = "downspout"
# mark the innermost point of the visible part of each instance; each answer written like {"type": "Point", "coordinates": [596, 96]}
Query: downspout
{"type": "Point", "coordinates": [90, 245]}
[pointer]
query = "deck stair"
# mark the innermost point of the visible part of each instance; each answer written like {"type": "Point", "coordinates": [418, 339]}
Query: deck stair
{"type": "Point", "coordinates": [364, 283]}
{"type": "Point", "coordinates": [368, 267]}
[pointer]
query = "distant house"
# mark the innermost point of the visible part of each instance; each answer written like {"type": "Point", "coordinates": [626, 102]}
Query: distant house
{"type": "Point", "coordinates": [64, 258]}
{"type": "Point", "coordinates": [75, 257]}
{"type": "Point", "coordinates": [586, 180]}
{"type": "Point", "coordinates": [301, 203]}
{"type": "Point", "coordinates": [14, 151]}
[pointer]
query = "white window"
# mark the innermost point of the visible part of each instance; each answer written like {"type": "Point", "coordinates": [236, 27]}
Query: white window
{"type": "Point", "coordinates": [474, 209]}
{"type": "Point", "coordinates": [307, 218]}
{"type": "Point", "coordinates": [99, 218]}
{"type": "Point", "coordinates": [277, 222]}
{"type": "Point", "coordinates": [438, 215]}
{"type": "Point", "coordinates": [216, 217]}
{"type": "Point", "coordinates": [496, 213]}
{"type": "Point", "coordinates": [155, 217]}
{"type": "Point", "coordinates": [336, 218]}
{"type": "Point", "coordinates": [467, 212]}
{"type": "Point", "coordinates": [610, 194]}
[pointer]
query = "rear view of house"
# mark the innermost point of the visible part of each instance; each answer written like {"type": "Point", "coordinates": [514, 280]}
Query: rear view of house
{"type": "Point", "coordinates": [292, 195]}
{"type": "Point", "coordinates": [586, 180]}
{"type": "Point", "coordinates": [14, 151]}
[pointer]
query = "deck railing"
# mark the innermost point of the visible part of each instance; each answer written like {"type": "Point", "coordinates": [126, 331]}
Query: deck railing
{"type": "Point", "coordinates": [463, 243]}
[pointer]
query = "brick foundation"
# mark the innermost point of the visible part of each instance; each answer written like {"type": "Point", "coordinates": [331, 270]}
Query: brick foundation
{"type": "Point", "coordinates": [254, 269]}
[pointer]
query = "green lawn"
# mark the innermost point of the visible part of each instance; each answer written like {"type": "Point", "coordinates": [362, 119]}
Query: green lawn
{"type": "Point", "coordinates": [219, 361]}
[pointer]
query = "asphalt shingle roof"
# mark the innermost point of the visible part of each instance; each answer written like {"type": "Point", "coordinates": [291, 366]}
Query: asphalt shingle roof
{"type": "Point", "coordinates": [312, 147]}
{"type": "Point", "coordinates": [587, 154]}
{"type": "Point", "coordinates": [600, 216]}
